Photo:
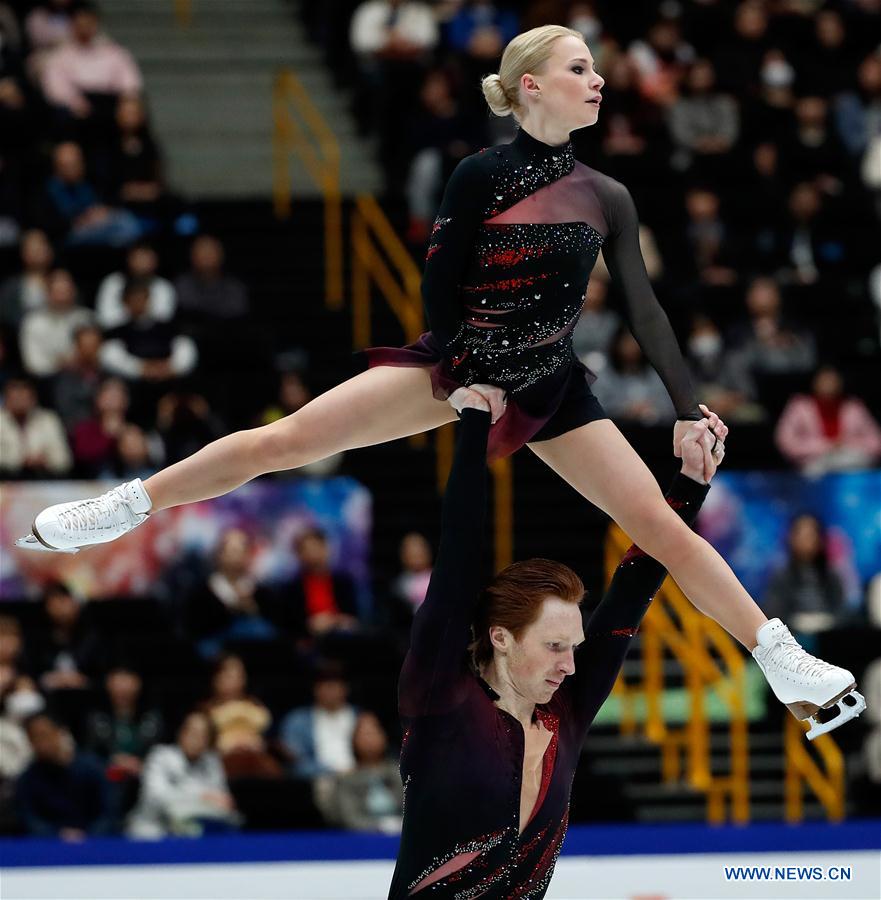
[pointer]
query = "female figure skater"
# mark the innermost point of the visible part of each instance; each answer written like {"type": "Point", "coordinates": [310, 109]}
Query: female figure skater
{"type": "Point", "coordinates": [491, 743]}
{"type": "Point", "coordinates": [513, 246]}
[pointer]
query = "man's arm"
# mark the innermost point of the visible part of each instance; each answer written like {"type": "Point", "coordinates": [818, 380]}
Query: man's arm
{"type": "Point", "coordinates": [441, 629]}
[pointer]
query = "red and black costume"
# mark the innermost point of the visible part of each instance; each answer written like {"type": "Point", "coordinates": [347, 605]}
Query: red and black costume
{"type": "Point", "coordinates": [462, 757]}
{"type": "Point", "coordinates": [513, 246]}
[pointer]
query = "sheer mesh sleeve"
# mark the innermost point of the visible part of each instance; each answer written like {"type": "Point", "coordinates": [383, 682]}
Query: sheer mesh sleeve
{"type": "Point", "coordinates": [648, 321]}
{"type": "Point", "coordinates": [452, 238]}
{"type": "Point", "coordinates": [435, 666]}
{"type": "Point", "coordinates": [616, 620]}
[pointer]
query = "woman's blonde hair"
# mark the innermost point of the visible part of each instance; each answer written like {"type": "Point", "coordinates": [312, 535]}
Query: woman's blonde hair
{"type": "Point", "coordinates": [527, 52]}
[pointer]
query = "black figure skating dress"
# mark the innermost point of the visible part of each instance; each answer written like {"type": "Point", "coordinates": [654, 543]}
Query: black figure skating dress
{"type": "Point", "coordinates": [511, 251]}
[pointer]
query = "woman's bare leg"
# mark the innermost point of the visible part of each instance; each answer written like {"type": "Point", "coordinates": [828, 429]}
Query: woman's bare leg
{"type": "Point", "coordinates": [378, 405]}
{"type": "Point", "coordinates": [600, 464]}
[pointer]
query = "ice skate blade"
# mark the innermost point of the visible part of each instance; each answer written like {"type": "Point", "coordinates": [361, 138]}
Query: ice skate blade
{"type": "Point", "coordinates": [803, 710]}
{"type": "Point", "coordinates": [32, 542]}
{"type": "Point", "coordinates": [846, 712]}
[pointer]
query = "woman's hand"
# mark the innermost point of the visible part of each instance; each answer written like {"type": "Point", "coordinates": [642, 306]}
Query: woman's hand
{"type": "Point", "coordinates": [701, 452]}
{"type": "Point", "coordinates": [717, 428]}
{"type": "Point", "coordinates": [487, 397]}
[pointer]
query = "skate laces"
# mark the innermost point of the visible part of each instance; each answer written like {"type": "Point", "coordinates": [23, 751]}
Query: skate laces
{"type": "Point", "coordinates": [91, 515]}
{"type": "Point", "coordinates": [793, 657]}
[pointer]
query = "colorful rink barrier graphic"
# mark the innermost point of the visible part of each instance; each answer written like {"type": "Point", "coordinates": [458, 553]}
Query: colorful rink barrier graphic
{"type": "Point", "coordinates": [272, 512]}
{"type": "Point", "coordinates": [746, 517]}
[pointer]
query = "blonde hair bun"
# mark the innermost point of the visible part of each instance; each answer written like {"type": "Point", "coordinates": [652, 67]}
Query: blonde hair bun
{"type": "Point", "coordinates": [495, 96]}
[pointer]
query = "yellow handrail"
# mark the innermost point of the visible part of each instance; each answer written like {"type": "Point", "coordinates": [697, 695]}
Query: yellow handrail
{"type": "Point", "coordinates": [803, 770]}
{"type": "Point", "coordinates": [300, 128]}
{"type": "Point", "coordinates": [672, 624]}
{"type": "Point", "coordinates": [183, 12]}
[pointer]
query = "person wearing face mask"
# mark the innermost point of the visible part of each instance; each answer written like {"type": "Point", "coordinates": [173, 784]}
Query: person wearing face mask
{"type": "Point", "coordinates": [722, 376]}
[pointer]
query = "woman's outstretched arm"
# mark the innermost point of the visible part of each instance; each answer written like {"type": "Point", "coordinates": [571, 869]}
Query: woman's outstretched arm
{"type": "Point", "coordinates": [436, 662]}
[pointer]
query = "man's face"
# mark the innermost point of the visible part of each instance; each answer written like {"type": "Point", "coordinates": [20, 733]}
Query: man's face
{"type": "Point", "coordinates": [544, 654]}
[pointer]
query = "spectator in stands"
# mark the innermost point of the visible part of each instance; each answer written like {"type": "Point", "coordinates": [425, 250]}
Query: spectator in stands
{"type": "Point", "coordinates": [88, 67]}
{"type": "Point", "coordinates": [370, 797]}
{"type": "Point", "coordinates": [230, 605]}
{"type": "Point", "coordinates": [15, 757]}
{"type": "Point", "coordinates": [319, 601]}
{"type": "Point", "coordinates": [858, 113]}
{"type": "Point", "coordinates": [480, 30]}
{"type": "Point", "coordinates": [75, 387]}
{"type": "Point", "coordinates": [826, 430]}
{"type": "Point", "coordinates": [46, 337]}
{"type": "Point", "coordinates": [411, 583]}
{"type": "Point", "coordinates": [62, 793]}
{"type": "Point", "coordinates": [75, 209]}
{"type": "Point", "coordinates": [704, 123]}
{"type": "Point", "coordinates": [808, 246]}
{"type": "Point", "coordinates": [760, 206]}
{"type": "Point", "coordinates": [145, 349]}
{"type": "Point", "coordinates": [722, 376]}
{"type": "Point", "coordinates": [806, 589]}
{"type": "Point", "coordinates": [142, 264]}
{"type": "Point", "coordinates": [135, 166]}
{"type": "Point", "coordinates": [629, 389]}
{"type": "Point", "coordinates": [206, 293]}
{"type": "Point", "coordinates": [183, 787]}
{"type": "Point", "coordinates": [597, 326]}
{"type": "Point", "coordinates": [94, 439]}
{"type": "Point", "coordinates": [739, 60]}
{"type": "Point", "coordinates": [25, 292]}
{"type": "Point", "coordinates": [827, 68]}
{"type": "Point", "coordinates": [319, 737]}
{"type": "Point", "coordinates": [661, 59]}
{"type": "Point", "coordinates": [708, 240]}
{"type": "Point", "coordinates": [48, 25]}
{"type": "Point", "coordinates": [633, 124]}
{"type": "Point", "coordinates": [392, 40]}
{"type": "Point", "coordinates": [441, 133]}
{"type": "Point", "coordinates": [11, 654]}
{"type": "Point", "coordinates": [241, 721]}
{"type": "Point", "coordinates": [812, 151]}
{"type": "Point", "coordinates": [32, 440]}
{"type": "Point", "coordinates": [770, 344]}
{"type": "Point", "coordinates": [121, 733]}
{"type": "Point", "coordinates": [68, 651]}
{"type": "Point", "coordinates": [137, 456]}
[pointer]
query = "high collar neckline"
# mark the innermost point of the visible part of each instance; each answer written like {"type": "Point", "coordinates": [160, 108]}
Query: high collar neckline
{"type": "Point", "coordinates": [526, 142]}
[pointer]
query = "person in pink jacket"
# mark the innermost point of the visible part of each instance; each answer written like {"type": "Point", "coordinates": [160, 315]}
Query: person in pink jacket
{"type": "Point", "coordinates": [827, 431]}
{"type": "Point", "coordinates": [88, 63]}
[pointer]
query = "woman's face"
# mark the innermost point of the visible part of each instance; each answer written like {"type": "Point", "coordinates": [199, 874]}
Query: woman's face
{"type": "Point", "coordinates": [805, 538]}
{"type": "Point", "coordinates": [544, 654]}
{"type": "Point", "coordinates": [194, 737]}
{"type": "Point", "coordinates": [566, 89]}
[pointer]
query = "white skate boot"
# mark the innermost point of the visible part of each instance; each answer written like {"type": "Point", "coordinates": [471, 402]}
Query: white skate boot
{"type": "Point", "coordinates": [805, 684]}
{"type": "Point", "coordinates": [68, 527]}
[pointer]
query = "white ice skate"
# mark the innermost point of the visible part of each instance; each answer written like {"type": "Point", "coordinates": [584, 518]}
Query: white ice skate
{"type": "Point", "coordinates": [807, 685]}
{"type": "Point", "coordinates": [68, 527]}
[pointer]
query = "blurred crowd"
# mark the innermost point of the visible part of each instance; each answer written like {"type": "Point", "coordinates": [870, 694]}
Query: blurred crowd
{"type": "Point", "coordinates": [152, 717]}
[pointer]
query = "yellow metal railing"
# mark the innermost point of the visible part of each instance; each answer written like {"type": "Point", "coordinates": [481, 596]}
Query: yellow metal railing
{"type": "Point", "coordinates": [698, 644]}
{"type": "Point", "coordinates": [300, 129]}
{"type": "Point", "coordinates": [183, 12]}
{"type": "Point", "coordinates": [804, 770]}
